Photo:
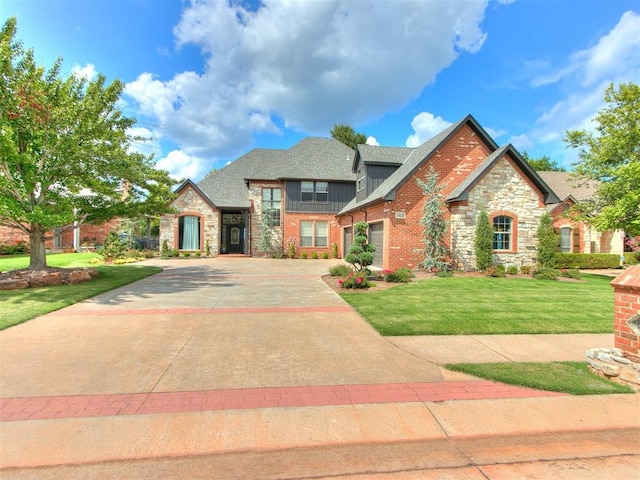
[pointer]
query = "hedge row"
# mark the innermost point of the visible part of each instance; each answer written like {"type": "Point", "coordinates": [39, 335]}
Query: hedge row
{"type": "Point", "coordinates": [593, 260]}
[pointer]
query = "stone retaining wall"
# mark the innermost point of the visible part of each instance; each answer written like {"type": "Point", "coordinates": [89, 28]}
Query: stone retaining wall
{"type": "Point", "coordinates": [614, 365]}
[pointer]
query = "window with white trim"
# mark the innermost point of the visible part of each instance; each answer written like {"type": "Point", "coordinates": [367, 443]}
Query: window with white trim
{"type": "Point", "coordinates": [322, 192]}
{"type": "Point", "coordinates": [317, 192]}
{"type": "Point", "coordinates": [360, 184]}
{"type": "Point", "coordinates": [565, 239]}
{"type": "Point", "coordinates": [314, 233]}
{"type": "Point", "coordinates": [502, 234]}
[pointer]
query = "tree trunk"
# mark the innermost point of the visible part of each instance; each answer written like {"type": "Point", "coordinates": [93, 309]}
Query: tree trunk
{"type": "Point", "coordinates": [38, 258]}
{"type": "Point", "coordinates": [148, 246]}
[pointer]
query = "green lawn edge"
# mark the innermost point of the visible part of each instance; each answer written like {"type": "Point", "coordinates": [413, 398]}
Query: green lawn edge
{"type": "Point", "coordinates": [20, 306]}
{"type": "Point", "coordinates": [488, 306]}
{"type": "Point", "coordinates": [573, 378]}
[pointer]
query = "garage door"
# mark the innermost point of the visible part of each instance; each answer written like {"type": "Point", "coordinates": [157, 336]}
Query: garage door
{"type": "Point", "coordinates": [376, 237]}
{"type": "Point", "coordinates": [348, 241]}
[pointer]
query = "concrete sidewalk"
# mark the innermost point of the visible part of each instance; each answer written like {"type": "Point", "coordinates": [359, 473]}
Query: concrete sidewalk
{"type": "Point", "coordinates": [251, 368]}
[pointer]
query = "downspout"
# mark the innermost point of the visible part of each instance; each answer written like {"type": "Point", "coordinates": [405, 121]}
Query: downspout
{"type": "Point", "coordinates": [76, 232]}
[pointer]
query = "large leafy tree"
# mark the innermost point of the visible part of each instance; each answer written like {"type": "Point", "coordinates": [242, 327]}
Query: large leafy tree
{"type": "Point", "coordinates": [65, 151]}
{"type": "Point", "coordinates": [347, 135]}
{"type": "Point", "coordinates": [543, 164]}
{"type": "Point", "coordinates": [611, 155]}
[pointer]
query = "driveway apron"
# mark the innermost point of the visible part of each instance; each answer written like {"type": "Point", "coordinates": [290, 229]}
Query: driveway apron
{"type": "Point", "coordinates": [205, 324]}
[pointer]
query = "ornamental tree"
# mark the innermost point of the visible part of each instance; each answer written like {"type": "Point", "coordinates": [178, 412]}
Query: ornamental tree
{"type": "Point", "coordinates": [65, 151]}
{"type": "Point", "coordinates": [360, 253]}
{"type": "Point", "coordinates": [547, 242]}
{"type": "Point", "coordinates": [435, 253]}
{"type": "Point", "coordinates": [611, 155]}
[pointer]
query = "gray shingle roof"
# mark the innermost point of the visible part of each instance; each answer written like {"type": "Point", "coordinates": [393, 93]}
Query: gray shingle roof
{"type": "Point", "coordinates": [377, 154]}
{"type": "Point", "coordinates": [310, 159]}
{"type": "Point", "coordinates": [226, 187]}
{"type": "Point", "coordinates": [566, 184]}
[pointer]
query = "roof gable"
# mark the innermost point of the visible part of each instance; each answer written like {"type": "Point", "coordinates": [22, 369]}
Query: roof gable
{"type": "Point", "coordinates": [461, 192]}
{"type": "Point", "coordinates": [386, 191]}
{"type": "Point", "coordinates": [189, 184]}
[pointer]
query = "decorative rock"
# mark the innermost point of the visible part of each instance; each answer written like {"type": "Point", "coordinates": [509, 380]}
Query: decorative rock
{"type": "Point", "coordinates": [629, 376]}
{"type": "Point", "coordinates": [14, 284]}
{"type": "Point", "coordinates": [45, 279]}
{"type": "Point", "coordinates": [605, 357]}
{"type": "Point", "coordinates": [610, 370]}
{"type": "Point", "coordinates": [595, 365]}
{"type": "Point", "coordinates": [79, 276]}
{"type": "Point", "coordinates": [619, 359]}
{"type": "Point", "coordinates": [591, 353]}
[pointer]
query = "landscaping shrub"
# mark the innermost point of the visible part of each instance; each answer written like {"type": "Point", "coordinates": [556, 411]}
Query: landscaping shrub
{"type": "Point", "coordinates": [17, 248]}
{"type": "Point", "coordinates": [401, 275]}
{"type": "Point", "coordinates": [355, 280]}
{"type": "Point", "coordinates": [114, 247]}
{"type": "Point", "coordinates": [186, 254]}
{"type": "Point", "coordinates": [525, 269]}
{"type": "Point", "coordinates": [571, 273]}
{"type": "Point", "coordinates": [483, 241]}
{"type": "Point", "coordinates": [547, 242]}
{"type": "Point", "coordinates": [303, 255]}
{"type": "Point", "coordinates": [587, 260]}
{"type": "Point", "coordinates": [291, 247]}
{"type": "Point", "coordinates": [340, 270]}
{"type": "Point", "coordinates": [546, 273]}
{"type": "Point", "coordinates": [631, 258]}
{"type": "Point", "coordinates": [360, 253]}
{"type": "Point", "coordinates": [325, 255]}
{"type": "Point", "coordinates": [495, 271]}
{"type": "Point", "coordinates": [314, 255]}
{"type": "Point", "coordinates": [334, 250]}
{"type": "Point", "coordinates": [512, 270]}
{"type": "Point", "coordinates": [198, 254]}
{"type": "Point", "coordinates": [444, 274]}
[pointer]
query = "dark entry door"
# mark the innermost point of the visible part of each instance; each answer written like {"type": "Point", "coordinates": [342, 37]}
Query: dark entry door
{"type": "Point", "coordinates": [235, 236]}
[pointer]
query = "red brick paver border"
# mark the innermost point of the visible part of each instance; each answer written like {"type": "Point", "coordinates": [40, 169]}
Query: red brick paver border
{"type": "Point", "coordinates": [39, 408]}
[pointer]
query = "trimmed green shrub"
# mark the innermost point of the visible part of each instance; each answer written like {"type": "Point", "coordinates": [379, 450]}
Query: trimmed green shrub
{"type": "Point", "coordinates": [401, 275]}
{"type": "Point", "coordinates": [587, 260]}
{"type": "Point", "coordinates": [355, 280]}
{"type": "Point", "coordinates": [303, 255]}
{"type": "Point", "coordinates": [325, 255]}
{"type": "Point", "coordinates": [525, 269]}
{"type": "Point", "coordinates": [631, 258]}
{"type": "Point", "coordinates": [483, 241]}
{"type": "Point", "coordinates": [17, 248]}
{"type": "Point", "coordinates": [495, 271]}
{"type": "Point", "coordinates": [334, 250]}
{"type": "Point", "coordinates": [547, 242]}
{"type": "Point", "coordinates": [571, 273]}
{"type": "Point", "coordinates": [314, 255]}
{"type": "Point", "coordinates": [546, 273]}
{"type": "Point", "coordinates": [512, 270]}
{"type": "Point", "coordinates": [360, 253]}
{"type": "Point", "coordinates": [444, 274]}
{"type": "Point", "coordinates": [340, 270]}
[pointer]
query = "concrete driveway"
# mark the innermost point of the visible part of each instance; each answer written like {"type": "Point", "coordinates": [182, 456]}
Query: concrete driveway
{"type": "Point", "coordinates": [205, 324]}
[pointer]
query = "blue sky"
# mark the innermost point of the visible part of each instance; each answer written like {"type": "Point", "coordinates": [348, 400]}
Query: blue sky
{"type": "Point", "coordinates": [209, 80]}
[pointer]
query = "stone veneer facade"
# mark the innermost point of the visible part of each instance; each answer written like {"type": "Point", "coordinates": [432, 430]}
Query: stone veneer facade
{"type": "Point", "coordinates": [255, 215]}
{"type": "Point", "coordinates": [502, 185]}
{"type": "Point", "coordinates": [191, 202]}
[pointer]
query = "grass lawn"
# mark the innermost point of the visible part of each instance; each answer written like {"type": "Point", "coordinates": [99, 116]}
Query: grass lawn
{"type": "Point", "coordinates": [567, 377]}
{"type": "Point", "coordinates": [22, 305]}
{"type": "Point", "coordinates": [482, 305]}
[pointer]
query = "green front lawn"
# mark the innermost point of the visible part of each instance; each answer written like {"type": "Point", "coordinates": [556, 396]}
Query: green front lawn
{"type": "Point", "coordinates": [22, 305]}
{"type": "Point", "coordinates": [567, 377]}
{"type": "Point", "coordinates": [482, 305]}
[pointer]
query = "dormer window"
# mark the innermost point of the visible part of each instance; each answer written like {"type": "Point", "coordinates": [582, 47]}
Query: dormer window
{"type": "Point", "coordinates": [360, 184]}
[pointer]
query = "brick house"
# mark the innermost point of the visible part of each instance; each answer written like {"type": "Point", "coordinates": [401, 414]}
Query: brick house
{"type": "Point", "coordinates": [67, 239]}
{"type": "Point", "coordinates": [318, 189]}
{"type": "Point", "coordinates": [578, 237]}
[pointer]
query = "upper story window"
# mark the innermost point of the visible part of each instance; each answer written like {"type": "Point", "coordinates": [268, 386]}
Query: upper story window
{"type": "Point", "coordinates": [317, 192]}
{"type": "Point", "coordinates": [271, 201]}
{"type": "Point", "coordinates": [360, 184]}
{"type": "Point", "coordinates": [502, 232]}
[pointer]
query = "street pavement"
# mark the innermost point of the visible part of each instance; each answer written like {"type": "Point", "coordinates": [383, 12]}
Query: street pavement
{"type": "Point", "coordinates": [254, 368]}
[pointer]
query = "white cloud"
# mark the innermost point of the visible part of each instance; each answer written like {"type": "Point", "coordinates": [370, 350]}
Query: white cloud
{"type": "Point", "coordinates": [181, 165]}
{"type": "Point", "coordinates": [425, 125]}
{"type": "Point", "coordinates": [586, 73]}
{"type": "Point", "coordinates": [302, 64]}
{"type": "Point", "coordinates": [88, 72]}
{"type": "Point", "coordinates": [372, 141]}
{"type": "Point", "coordinates": [495, 133]}
{"type": "Point", "coordinates": [521, 142]}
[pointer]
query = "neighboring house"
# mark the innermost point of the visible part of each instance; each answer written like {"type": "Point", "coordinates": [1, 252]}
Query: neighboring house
{"type": "Point", "coordinates": [578, 237]}
{"type": "Point", "coordinates": [317, 190]}
{"type": "Point", "coordinates": [69, 239]}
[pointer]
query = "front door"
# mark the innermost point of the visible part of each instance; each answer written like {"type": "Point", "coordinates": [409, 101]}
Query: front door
{"type": "Point", "coordinates": [233, 231]}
